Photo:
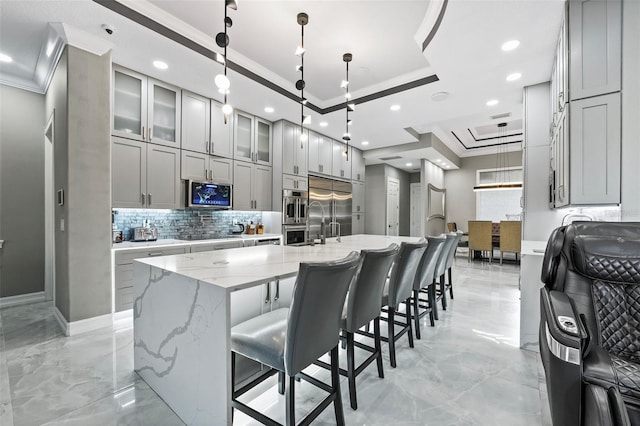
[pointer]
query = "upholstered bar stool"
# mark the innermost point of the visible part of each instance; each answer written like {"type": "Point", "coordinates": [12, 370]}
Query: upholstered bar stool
{"type": "Point", "coordinates": [398, 290]}
{"type": "Point", "coordinates": [425, 282]}
{"type": "Point", "coordinates": [362, 307]}
{"type": "Point", "coordinates": [441, 269]}
{"type": "Point", "coordinates": [451, 255]}
{"type": "Point", "coordinates": [289, 340]}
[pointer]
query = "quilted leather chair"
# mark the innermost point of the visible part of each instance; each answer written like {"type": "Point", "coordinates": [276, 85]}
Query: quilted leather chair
{"type": "Point", "coordinates": [590, 319]}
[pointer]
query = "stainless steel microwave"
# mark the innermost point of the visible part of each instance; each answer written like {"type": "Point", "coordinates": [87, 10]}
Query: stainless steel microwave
{"type": "Point", "coordinates": [209, 195]}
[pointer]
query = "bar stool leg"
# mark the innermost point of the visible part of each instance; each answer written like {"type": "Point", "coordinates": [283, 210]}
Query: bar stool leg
{"type": "Point", "coordinates": [443, 293]}
{"type": "Point", "coordinates": [233, 380]}
{"type": "Point", "coordinates": [351, 374]}
{"type": "Point", "coordinates": [433, 301]}
{"type": "Point", "coordinates": [407, 303]}
{"type": "Point", "coordinates": [378, 346]}
{"type": "Point", "coordinates": [335, 384]}
{"type": "Point", "coordinates": [416, 302]}
{"type": "Point", "coordinates": [391, 336]}
{"type": "Point", "coordinates": [290, 416]}
{"type": "Point", "coordinates": [450, 285]}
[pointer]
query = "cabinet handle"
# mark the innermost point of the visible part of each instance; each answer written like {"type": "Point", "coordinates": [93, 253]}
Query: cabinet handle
{"type": "Point", "coordinates": [142, 198]}
{"type": "Point", "coordinates": [149, 199]}
{"type": "Point", "coordinates": [150, 134]}
{"type": "Point", "coordinates": [158, 253]}
{"type": "Point", "coordinates": [268, 298]}
{"type": "Point", "coordinates": [277, 296]}
{"type": "Point", "coordinates": [212, 148]}
{"type": "Point", "coordinates": [142, 132]}
{"type": "Point", "coordinates": [206, 146]}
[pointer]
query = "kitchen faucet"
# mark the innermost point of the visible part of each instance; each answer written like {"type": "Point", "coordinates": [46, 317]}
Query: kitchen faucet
{"type": "Point", "coordinates": [336, 223]}
{"type": "Point", "coordinates": [322, 224]}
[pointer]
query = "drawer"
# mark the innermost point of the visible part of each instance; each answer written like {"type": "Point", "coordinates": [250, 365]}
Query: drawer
{"type": "Point", "coordinates": [124, 275]}
{"type": "Point", "coordinates": [128, 256]}
{"type": "Point", "coordinates": [124, 299]}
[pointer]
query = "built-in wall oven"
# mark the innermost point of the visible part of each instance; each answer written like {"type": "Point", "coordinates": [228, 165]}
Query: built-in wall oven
{"type": "Point", "coordinates": [294, 207]}
{"type": "Point", "coordinates": [294, 235]}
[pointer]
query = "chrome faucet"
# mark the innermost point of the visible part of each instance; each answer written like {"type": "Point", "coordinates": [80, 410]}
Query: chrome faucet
{"type": "Point", "coordinates": [323, 230]}
{"type": "Point", "coordinates": [336, 223]}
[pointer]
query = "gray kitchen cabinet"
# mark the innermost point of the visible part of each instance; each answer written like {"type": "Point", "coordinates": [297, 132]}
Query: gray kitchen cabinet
{"type": "Point", "coordinates": [357, 165]}
{"type": "Point", "coordinates": [198, 166]}
{"type": "Point", "coordinates": [560, 158]}
{"type": "Point", "coordinates": [252, 139]}
{"type": "Point", "coordinates": [252, 186]}
{"type": "Point", "coordinates": [595, 47]}
{"type": "Point", "coordinates": [357, 193]}
{"type": "Point", "coordinates": [320, 153]}
{"type": "Point", "coordinates": [294, 152]}
{"type": "Point", "coordinates": [357, 223]}
{"type": "Point", "coordinates": [219, 245]}
{"type": "Point", "coordinates": [595, 150]}
{"type": "Point", "coordinates": [221, 132]}
{"type": "Point", "coordinates": [123, 272]}
{"type": "Point", "coordinates": [296, 183]}
{"type": "Point", "coordinates": [341, 166]}
{"type": "Point", "coordinates": [145, 109]}
{"type": "Point", "coordinates": [145, 175]}
{"type": "Point", "coordinates": [196, 123]}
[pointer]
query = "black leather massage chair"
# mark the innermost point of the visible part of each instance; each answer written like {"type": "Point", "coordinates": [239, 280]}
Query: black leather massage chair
{"type": "Point", "coordinates": [590, 324]}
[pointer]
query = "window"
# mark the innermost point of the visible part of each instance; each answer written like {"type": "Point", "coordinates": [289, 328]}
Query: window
{"type": "Point", "coordinates": [499, 204]}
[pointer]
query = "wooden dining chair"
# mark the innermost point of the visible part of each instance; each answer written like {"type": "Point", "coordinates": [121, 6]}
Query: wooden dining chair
{"type": "Point", "coordinates": [480, 237]}
{"type": "Point", "coordinates": [510, 236]}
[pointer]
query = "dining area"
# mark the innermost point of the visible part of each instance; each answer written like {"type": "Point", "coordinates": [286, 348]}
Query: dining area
{"type": "Point", "coordinates": [487, 239]}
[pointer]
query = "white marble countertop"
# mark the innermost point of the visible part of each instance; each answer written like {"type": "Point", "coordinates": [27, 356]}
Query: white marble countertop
{"type": "Point", "coordinates": [167, 242]}
{"type": "Point", "coordinates": [535, 248]}
{"type": "Point", "coordinates": [234, 269]}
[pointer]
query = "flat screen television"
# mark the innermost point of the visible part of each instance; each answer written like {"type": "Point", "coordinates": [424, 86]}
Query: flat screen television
{"type": "Point", "coordinates": [210, 195]}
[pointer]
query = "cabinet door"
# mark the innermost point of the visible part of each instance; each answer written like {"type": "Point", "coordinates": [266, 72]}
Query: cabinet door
{"type": "Point", "coordinates": [325, 154]}
{"type": "Point", "coordinates": [221, 170]}
{"type": "Point", "coordinates": [357, 165]}
{"type": "Point", "coordinates": [357, 223]}
{"type": "Point", "coordinates": [595, 37]}
{"type": "Point", "coordinates": [296, 183]}
{"type": "Point", "coordinates": [194, 166]}
{"type": "Point", "coordinates": [300, 154]}
{"type": "Point", "coordinates": [262, 188]}
{"type": "Point", "coordinates": [163, 177]}
{"type": "Point", "coordinates": [313, 164]}
{"type": "Point", "coordinates": [163, 114]}
{"type": "Point", "coordinates": [242, 186]}
{"type": "Point", "coordinates": [595, 150]}
{"type": "Point", "coordinates": [338, 163]}
{"type": "Point", "coordinates": [196, 116]}
{"type": "Point", "coordinates": [129, 104]}
{"type": "Point", "coordinates": [263, 142]}
{"type": "Point", "coordinates": [128, 173]}
{"type": "Point", "coordinates": [290, 133]}
{"type": "Point", "coordinates": [561, 161]}
{"type": "Point", "coordinates": [243, 137]}
{"type": "Point", "coordinates": [221, 132]}
{"type": "Point", "coordinates": [357, 189]}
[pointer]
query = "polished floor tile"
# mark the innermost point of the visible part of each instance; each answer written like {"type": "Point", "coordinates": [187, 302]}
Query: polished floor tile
{"type": "Point", "coordinates": [468, 370]}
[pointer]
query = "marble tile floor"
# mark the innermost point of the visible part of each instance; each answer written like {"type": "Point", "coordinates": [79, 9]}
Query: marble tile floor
{"type": "Point", "coordinates": [468, 370]}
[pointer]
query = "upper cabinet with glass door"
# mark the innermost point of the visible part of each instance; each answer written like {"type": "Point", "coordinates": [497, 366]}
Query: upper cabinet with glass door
{"type": "Point", "coordinates": [252, 139]}
{"type": "Point", "coordinates": [145, 109]}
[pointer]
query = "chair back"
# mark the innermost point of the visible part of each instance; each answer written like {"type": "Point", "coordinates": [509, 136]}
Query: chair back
{"type": "Point", "coordinates": [480, 235]}
{"type": "Point", "coordinates": [404, 271]}
{"type": "Point", "coordinates": [452, 227]}
{"type": "Point", "coordinates": [456, 236]}
{"type": "Point", "coordinates": [510, 235]}
{"type": "Point", "coordinates": [314, 318]}
{"type": "Point", "coordinates": [427, 268]}
{"type": "Point", "coordinates": [363, 299]}
{"type": "Point", "coordinates": [441, 265]}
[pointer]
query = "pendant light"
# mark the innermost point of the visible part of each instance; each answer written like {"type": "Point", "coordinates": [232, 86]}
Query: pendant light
{"type": "Point", "coordinates": [347, 107]}
{"type": "Point", "coordinates": [222, 40]}
{"type": "Point", "coordinates": [502, 165]}
{"type": "Point", "coordinates": [303, 19]}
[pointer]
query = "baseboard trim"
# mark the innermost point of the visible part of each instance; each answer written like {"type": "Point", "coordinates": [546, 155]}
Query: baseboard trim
{"type": "Point", "coordinates": [82, 326]}
{"type": "Point", "coordinates": [21, 299]}
{"type": "Point", "coordinates": [123, 320]}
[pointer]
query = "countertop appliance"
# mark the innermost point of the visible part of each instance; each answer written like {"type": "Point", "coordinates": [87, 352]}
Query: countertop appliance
{"type": "Point", "coordinates": [294, 207]}
{"type": "Point", "coordinates": [335, 198]}
{"type": "Point", "coordinates": [144, 234]}
{"type": "Point", "coordinates": [294, 235]}
{"type": "Point", "coordinates": [209, 194]}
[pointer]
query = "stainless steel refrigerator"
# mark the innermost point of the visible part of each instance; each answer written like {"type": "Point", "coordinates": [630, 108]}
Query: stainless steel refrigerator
{"type": "Point", "coordinates": [334, 198]}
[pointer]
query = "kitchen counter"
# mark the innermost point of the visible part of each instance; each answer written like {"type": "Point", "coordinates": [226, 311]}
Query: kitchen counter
{"type": "Point", "coordinates": [183, 315]}
{"type": "Point", "coordinates": [530, 283]}
{"type": "Point", "coordinates": [167, 242]}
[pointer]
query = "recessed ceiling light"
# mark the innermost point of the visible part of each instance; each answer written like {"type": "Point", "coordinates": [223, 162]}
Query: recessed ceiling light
{"type": "Point", "coordinates": [439, 96]}
{"type": "Point", "coordinates": [365, 143]}
{"type": "Point", "coordinates": [510, 45]}
{"type": "Point", "coordinates": [269, 109]}
{"type": "Point", "coordinates": [409, 164]}
{"type": "Point", "coordinates": [323, 124]}
{"type": "Point", "coordinates": [395, 108]}
{"type": "Point", "coordinates": [438, 160]}
{"type": "Point", "coordinates": [160, 65]}
{"type": "Point", "coordinates": [5, 58]}
{"type": "Point", "coordinates": [513, 77]}
{"type": "Point", "coordinates": [492, 102]}
{"type": "Point", "coordinates": [447, 166]}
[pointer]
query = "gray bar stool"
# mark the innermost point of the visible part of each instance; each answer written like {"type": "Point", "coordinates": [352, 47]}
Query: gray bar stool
{"type": "Point", "coordinates": [441, 269]}
{"type": "Point", "coordinates": [425, 282]}
{"type": "Point", "coordinates": [450, 258]}
{"type": "Point", "coordinates": [289, 340]}
{"type": "Point", "coordinates": [398, 290]}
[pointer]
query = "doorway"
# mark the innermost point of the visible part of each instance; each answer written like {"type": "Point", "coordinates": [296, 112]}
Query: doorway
{"type": "Point", "coordinates": [415, 214]}
{"type": "Point", "coordinates": [393, 206]}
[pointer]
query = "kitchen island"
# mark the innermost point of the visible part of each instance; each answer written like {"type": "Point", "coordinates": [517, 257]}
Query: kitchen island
{"type": "Point", "coordinates": [185, 306]}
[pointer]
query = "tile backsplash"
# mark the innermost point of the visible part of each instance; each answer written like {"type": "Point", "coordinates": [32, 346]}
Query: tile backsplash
{"type": "Point", "coordinates": [183, 224]}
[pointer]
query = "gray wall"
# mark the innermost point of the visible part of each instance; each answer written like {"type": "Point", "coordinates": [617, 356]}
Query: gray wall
{"type": "Point", "coordinates": [376, 199]}
{"type": "Point", "coordinates": [461, 200]}
{"type": "Point", "coordinates": [80, 94]}
{"type": "Point", "coordinates": [21, 191]}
